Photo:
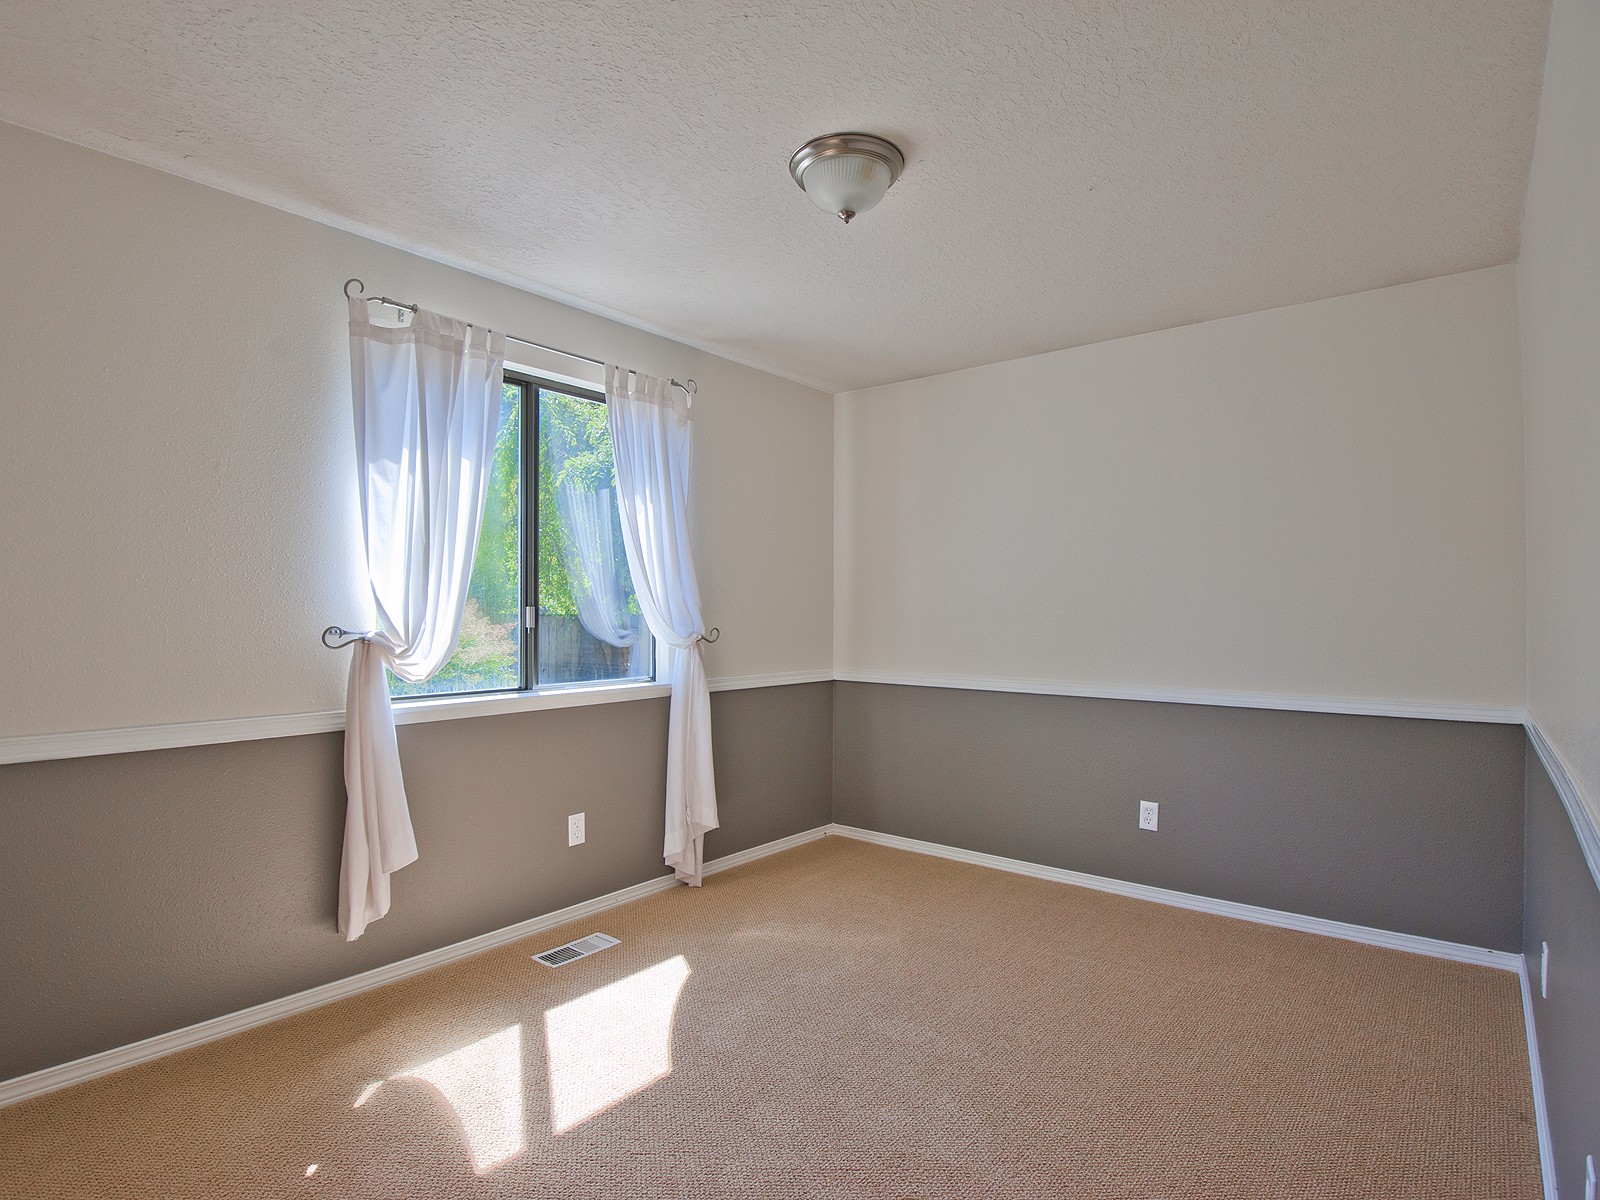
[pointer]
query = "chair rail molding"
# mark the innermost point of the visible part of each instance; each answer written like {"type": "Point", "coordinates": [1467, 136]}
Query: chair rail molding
{"type": "Point", "coordinates": [1427, 710]}
{"type": "Point", "coordinates": [1579, 812]}
{"type": "Point", "coordinates": [91, 742]}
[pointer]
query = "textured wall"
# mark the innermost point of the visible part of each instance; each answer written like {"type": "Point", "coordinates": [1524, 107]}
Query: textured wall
{"type": "Point", "coordinates": [140, 893]}
{"type": "Point", "coordinates": [178, 472]}
{"type": "Point", "coordinates": [1406, 825]}
{"type": "Point", "coordinates": [1562, 907]}
{"type": "Point", "coordinates": [1558, 279]}
{"type": "Point", "coordinates": [1323, 500]}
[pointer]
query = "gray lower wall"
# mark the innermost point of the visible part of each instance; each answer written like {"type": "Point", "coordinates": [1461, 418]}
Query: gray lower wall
{"type": "Point", "coordinates": [140, 893]}
{"type": "Point", "coordinates": [1407, 825]}
{"type": "Point", "coordinates": [1562, 907]}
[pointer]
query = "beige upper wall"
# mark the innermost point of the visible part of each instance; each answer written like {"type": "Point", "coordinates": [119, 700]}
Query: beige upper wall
{"type": "Point", "coordinates": [1322, 500]}
{"type": "Point", "coordinates": [177, 470]}
{"type": "Point", "coordinates": [1558, 278]}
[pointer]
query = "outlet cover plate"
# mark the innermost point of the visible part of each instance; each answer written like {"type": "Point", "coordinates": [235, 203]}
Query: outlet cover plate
{"type": "Point", "coordinates": [1148, 812]}
{"type": "Point", "coordinates": [575, 831]}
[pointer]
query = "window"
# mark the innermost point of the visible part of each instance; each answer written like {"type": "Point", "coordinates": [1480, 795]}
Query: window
{"type": "Point", "coordinates": [551, 602]}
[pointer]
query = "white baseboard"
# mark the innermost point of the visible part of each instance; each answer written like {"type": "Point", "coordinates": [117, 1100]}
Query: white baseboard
{"type": "Point", "coordinates": [1541, 1114]}
{"type": "Point", "coordinates": [1411, 943]}
{"type": "Point", "coordinates": [738, 859]}
{"type": "Point", "coordinates": [52, 1079]}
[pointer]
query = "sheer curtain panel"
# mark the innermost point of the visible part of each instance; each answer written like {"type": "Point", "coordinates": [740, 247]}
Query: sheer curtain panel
{"type": "Point", "coordinates": [589, 547]}
{"type": "Point", "coordinates": [651, 441]}
{"type": "Point", "coordinates": [589, 552]}
{"type": "Point", "coordinates": [427, 402]}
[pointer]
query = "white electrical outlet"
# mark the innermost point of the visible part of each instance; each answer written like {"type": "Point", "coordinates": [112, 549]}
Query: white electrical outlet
{"type": "Point", "coordinates": [575, 829]}
{"type": "Point", "coordinates": [1544, 970]}
{"type": "Point", "coordinates": [1147, 814]}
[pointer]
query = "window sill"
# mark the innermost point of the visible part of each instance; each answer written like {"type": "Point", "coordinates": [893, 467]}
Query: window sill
{"type": "Point", "coordinates": [452, 708]}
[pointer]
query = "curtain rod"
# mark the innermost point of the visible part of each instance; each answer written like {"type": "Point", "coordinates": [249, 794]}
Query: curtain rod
{"type": "Point", "coordinates": [691, 389]}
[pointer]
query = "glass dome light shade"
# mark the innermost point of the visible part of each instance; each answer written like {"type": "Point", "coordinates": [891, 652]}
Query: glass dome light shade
{"type": "Point", "coordinates": [846, 173]}
{"type": "Point", "coordinates": [845, 183]}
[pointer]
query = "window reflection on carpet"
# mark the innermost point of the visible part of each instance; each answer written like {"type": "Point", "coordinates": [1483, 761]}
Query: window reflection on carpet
{"type": "Point", "coordinates": [611, 1043]}
{"type": "Point", "coordinates": [483, 1084]}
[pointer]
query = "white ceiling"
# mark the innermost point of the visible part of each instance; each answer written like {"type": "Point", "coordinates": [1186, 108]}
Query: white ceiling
{"type": "Point", "coordinates": [1076, 171]}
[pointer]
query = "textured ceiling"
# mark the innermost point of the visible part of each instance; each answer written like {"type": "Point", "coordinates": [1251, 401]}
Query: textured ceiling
{"type": "Point", "coordinates": [1076, 171]}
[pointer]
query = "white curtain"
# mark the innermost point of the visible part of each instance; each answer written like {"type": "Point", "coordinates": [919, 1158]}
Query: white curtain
{"type": "Point", "coordinates": [651, 443]}
{"type": "Point", "coordinates": [427, 406]}
{"type": "Point", "coordinates": [590, 556]}
{"type": "Point", "coordinates": [589, 551]}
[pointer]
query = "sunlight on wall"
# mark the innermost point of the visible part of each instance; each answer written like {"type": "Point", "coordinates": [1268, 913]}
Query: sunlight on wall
{"type": "Point", "coordinates": [617, 1040]}
{"type": "Point", "coordinates": [483, 1083]}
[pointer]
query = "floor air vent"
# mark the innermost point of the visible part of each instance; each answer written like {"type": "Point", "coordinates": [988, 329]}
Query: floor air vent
{"type": "Point", "coordinates": [573, 951]}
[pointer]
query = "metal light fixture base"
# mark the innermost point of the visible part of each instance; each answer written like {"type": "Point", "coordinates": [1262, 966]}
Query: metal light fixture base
{"type": "Point", "coordinates": [831, 144]}
{"type": "Point", "coordinates": [847, 143]}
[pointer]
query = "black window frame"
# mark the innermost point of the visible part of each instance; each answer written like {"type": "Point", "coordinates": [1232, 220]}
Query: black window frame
{"type": "Point", "coordinates": [530, 386]}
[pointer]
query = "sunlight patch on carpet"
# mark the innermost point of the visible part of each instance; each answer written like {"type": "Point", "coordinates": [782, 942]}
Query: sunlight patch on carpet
{"type": "Point", "coordinates": [611, 1043]}
{"type": "Point", "coordinates": [483, 1084]}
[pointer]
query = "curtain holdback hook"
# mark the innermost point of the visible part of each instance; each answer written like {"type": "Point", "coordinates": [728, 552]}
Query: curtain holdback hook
{"type": "Point", "coordinates": [335, 638]}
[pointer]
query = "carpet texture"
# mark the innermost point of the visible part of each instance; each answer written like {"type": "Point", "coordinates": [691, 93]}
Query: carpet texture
{"type": "Point", "coordinates": [843, 1020]}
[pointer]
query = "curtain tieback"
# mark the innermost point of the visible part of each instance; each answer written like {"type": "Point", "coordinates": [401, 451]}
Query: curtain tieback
{"type": "Point", "coordinates": [336, 638]}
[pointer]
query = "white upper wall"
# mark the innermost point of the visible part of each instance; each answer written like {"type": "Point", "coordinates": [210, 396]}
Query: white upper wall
{"type": "Point", "coordinates": [1322, 500]}
{"type": "Point", "coordinates": [1558, 278]}
{"type": "Point", "coordinates": [177, 470]}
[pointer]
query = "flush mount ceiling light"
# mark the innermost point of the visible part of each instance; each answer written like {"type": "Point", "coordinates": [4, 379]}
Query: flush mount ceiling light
{"type": "Point", "coordinates": [846, 173]}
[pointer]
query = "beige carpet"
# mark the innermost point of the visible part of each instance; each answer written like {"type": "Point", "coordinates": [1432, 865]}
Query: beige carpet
{"type": "Point", "coordinates": [843, 1020]}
